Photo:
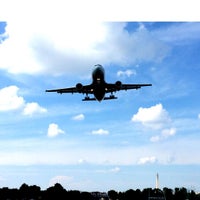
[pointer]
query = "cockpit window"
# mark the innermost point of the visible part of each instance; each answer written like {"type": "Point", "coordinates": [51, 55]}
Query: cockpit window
{"type": "Point", "coordinates": [98, 65]}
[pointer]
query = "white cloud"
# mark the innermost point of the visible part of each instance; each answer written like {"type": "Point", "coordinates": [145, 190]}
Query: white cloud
{"type": "Point", "coordinates": [165, 133]}
{"type": "Point", "coordinates": [199, 116]}
{"type": "Point", "coordinates": [63, 180]}
{"type": "Point", "coordinates": [79, 117]}
{"type": "Point", "coordinates": [155, 117]}
{"type": "Point", "coordinates": [168, 132]}
{"type": "Point", "coordinates": [33, 108]}
{"type": "Point", "coordinates": [82, 161]}
{"type": "Point", "coordinates": [54, 130]}
{"type": "Point", "coordinates": [100, 132]}
{"type": "Point", "coordinates": [65, 152]}
{"type": "Point", "coordinates": [155, 138]}
{"type": "Point", "coordinates": [37, 45]}
{"type": "Point", "coordinates": [128, 73]}
{"type": "Point", "coordinates": [115, 169]}
{"type": "Point", "coordinates": [147, 160]}
{"type": "Point", "coordinates": [9, 99]}
{"type": "Point", "coordinates": [189, 31]}
{"type": "Point", "coordinates": [112, 170]}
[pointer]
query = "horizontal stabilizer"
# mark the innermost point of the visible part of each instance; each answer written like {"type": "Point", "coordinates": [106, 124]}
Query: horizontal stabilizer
{"type": "Point", "coordinates": [110, 97]}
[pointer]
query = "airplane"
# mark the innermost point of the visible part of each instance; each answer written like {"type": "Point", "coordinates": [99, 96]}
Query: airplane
{"type": "Point", "coordinates": [99, 87]}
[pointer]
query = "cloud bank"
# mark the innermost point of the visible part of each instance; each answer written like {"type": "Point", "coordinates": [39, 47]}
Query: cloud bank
{"type": "Point", "coordinates": [49, 47]}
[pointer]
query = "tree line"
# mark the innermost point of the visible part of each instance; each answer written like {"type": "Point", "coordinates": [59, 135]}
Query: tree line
{"type": "Point", "coordinates": [34, 192]}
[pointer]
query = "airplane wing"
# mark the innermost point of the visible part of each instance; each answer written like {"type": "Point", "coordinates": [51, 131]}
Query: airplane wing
{"type": "Point", "coordinates": [133, 86]}
{"type": "Point", "coordinates": [86, 89]}
{"type": "Point", "coordinates": [118, 86]}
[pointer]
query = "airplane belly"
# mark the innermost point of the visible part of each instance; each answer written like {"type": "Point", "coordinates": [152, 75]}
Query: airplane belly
{"type": "Point", "coordinates": [99, 93]}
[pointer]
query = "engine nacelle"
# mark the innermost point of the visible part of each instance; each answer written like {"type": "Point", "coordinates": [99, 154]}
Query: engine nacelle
{"type": "Point", "coordinates": [79, 87]}
{"type": "Point", "coordinates": [118, 85]}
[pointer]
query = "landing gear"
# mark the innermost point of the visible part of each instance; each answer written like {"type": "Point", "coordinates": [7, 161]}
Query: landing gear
{"type": "Point", "coordinates": [87, 98]}
{"type": "Point", "coordinates": [112, 96]}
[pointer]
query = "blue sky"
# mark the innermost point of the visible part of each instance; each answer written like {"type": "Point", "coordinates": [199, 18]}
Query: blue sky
{"type": "Point", "coordinates": [120, 144]}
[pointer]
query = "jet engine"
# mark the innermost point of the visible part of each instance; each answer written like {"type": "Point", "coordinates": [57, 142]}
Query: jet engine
{"type": "Point", "coordinates": [79, 87]}
{"type": "Point", "coordinates": [118, 85]}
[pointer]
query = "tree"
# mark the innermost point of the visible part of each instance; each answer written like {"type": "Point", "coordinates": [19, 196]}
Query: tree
{"type": "Point", "coordinates": [168, 193]}
{"type": "Point", "coordinates": [113, 194]}
{"type": "Point", "coordinates": [55, 192]}
{"type": "Point", "coordinates": [86, 196]}
{"type": "Point", "coordinates": [180, 194]}
{"type": "Point", "coordinates": [24, 191]}
{"type": "Point", "coordinates": [130, 194]}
